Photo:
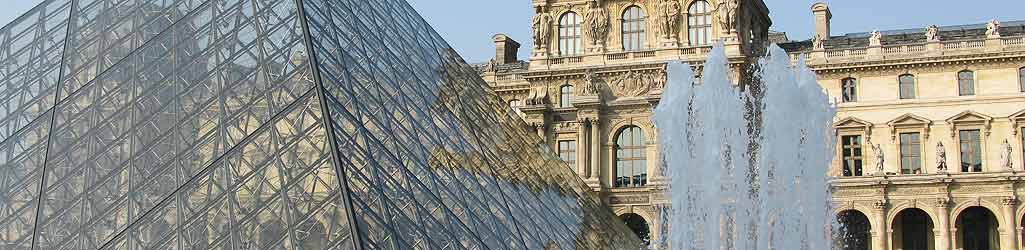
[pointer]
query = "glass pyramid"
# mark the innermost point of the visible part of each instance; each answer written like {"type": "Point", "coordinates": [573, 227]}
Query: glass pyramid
{"type": "Point", "coordinates": [268, 124]}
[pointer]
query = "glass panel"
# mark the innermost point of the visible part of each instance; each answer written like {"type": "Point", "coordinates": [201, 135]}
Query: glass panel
{"type": "Point", "coordinates": [1021, 78]}
{"type": "Point", "coordinates": [910, 153]}
{"type": "Point", "coordinates": [907, 87]}
{"type": "Point", "coordinates": [852, 155]}
{"type": "Point", "coordinates": [971, 151]}
{"type": "Point", "coordinates": [850, 90]}
{"type": "Point", "coordinates": [700, 23]}
{"type": "Point", "coordinates": [966, 83]}
{"type": "Point", "coordinates": [208, 125]}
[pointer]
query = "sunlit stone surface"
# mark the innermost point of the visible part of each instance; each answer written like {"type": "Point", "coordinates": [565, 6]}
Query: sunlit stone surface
{"type": "Point", "coordinates": [265, 124]}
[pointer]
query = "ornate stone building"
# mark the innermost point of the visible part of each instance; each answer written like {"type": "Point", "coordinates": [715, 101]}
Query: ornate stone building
{"type": "Point", "coordinates": [930, 125]}
{"type": "Point", "coordinates": [930, 129]}
{"type": "Point", "coordinates": [596, 73]}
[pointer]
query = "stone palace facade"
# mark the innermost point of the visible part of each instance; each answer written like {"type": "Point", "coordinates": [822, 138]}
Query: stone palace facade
{"type": "Point", "coordinates": [930, 125]}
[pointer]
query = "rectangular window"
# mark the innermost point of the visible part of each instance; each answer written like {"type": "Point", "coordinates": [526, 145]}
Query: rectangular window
{"type": "Point", "coordinates": [907, 87]}
{"type": "Point", "coordinates": [568, 153]}
{"type": "Point", "coordinates": [1021, 78]}
{"type": "Point", "coordinates": [910, 153]}
{"type": "Point", "coordinates": [971, 151]}
{"type": "Point", "coordinates": [966, 83]}
{"type": "Point", "coordinates": [1022, 134]}
{"type": "Point", "coordinates": [852, 155]}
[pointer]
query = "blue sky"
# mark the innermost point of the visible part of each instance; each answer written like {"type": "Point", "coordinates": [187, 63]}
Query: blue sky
{"type": "Point", "coordinates": [469, 26]}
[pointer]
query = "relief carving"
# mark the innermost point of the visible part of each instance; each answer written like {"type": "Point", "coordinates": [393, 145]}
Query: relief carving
{"type": "Point", "coordinates": [630, 84]}
{"type": "Point", "coordinates": [590, 86]}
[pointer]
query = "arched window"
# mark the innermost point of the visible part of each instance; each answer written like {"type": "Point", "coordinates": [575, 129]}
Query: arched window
{"type": "Point", "coordinates": [633, 28]}
{"type": "Point", "coordinates": [1021, 78]}
{"type": "Point", "coordinates": [566, 96]}
{"type": "Point", "coordinates": [966, 83]}
{"type": "Point", "coordinates": [631, 162]}
{"type": "Point", "coordinates": [700, 23]}
{"type": "Point", "coordinates": [570, 43]}
{"type": "Point", "coordinates": [849, 88]}
{"type": "Point", "coordinates": [907, 86]}
{"type": "Point", "coordinates": [638, 225]}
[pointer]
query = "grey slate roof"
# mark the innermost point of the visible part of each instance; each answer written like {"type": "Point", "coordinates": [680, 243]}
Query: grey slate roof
{"type": "Point", "coordinates": [908, 36]}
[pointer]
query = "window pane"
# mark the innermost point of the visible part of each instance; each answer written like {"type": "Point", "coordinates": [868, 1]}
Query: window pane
{"type": "Point", "coordinates": [1021, 78]}
{"type": "Point", "coordinates": [631, 164]}
{"type": "Point", "coordinates": [851, 154]}
{"type": "Point", "coordinates": [700, 25]}
{"type": "Point", "coordinates": [907, 87]}
{"type": "Point", "coordinates": [569, 35]}
{"type": "Point", "coordinates": [966, 83]}
{"type": "Point", "coordinates": [910, 153]}
{"type": "Point", "coordinates": [849, 89]}
{"type": "Point", "coordinates": [971, 155]}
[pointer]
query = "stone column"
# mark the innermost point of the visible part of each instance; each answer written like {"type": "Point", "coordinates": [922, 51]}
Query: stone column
{"type": "Point", "coordinates": [596, 151]}
{"type": "Point", "coordinates": [882, 230]}
{"type": "Point", "coordinates": [943, 211]}
{"type": "Point", "coordinates": [1007, 235]}
{"type": "Point", "coordinates": [582, 149]}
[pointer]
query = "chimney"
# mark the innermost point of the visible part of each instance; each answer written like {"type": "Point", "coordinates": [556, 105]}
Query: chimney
{"type": "Point", "coordinates": [505, 49]}
{"type": "Point", "coordinates": [822, 17]}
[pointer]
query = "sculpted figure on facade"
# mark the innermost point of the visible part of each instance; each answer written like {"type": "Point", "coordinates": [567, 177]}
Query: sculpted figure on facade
{"type": "Point", "coordinates": [727, 11]}
{"type": "Point", "coordinates": [993, 29]}
{"type": "Point", "coordinates": [941, 157]}
{"type": "Point", "coordinates": [668, 19]}
{"type": "Point", "coordinates": [880, 157]}
{"type": "Point", "coordinates": [590, 85]}
{"type": "Point", "coordinates": [597, 24]}
{"type": "Point", "coordinates": [1006, 155]}
{"type": "Point", "coordinates": [816, 42]}
{"type": "Point", "coordinates": [542, 25]}
{"type": "Point", "coordinates": [932, 34]}
{"type": "Point", "coordinates": [876, 39]}
{"type": "Point", "coordinates": [538, 95]}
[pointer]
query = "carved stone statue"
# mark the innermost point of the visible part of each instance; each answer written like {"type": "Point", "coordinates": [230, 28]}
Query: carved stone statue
{"type": "Point", "coordinates": [727, 13]}
{"type": "Point", "coordinates": [489, 67]}
{"type": "Point", "coordinates": [597, 24]}
{"type": "Point", "coordinates": [993, 29]}
{"type": "Point", "coordinates": [538, 95]}
{"type": "Point", "coordinates": [932, 34]}
{"type": "Point", "coordinates": [668, 19]}
{"type": "Point", "coordinates": [542, 25]}
{"type": "Point", "coordinates": [941, 157]}
{"type": "Point", "coordinates": [816, 42]}
{"type": "Point", "coordinates": [590, 85]}
{"type": "Point", "coordinates": [876, 39]}
{"type": "Point", "coordinates": [880, 157]}
{"type": "Point", "coordinates": [1006, 153]}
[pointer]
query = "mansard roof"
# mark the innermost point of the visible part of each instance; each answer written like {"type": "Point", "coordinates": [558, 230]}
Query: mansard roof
{"type": "Point", "coordinates": [908, 36]}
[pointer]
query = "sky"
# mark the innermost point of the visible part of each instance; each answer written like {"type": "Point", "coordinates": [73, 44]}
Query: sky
{"type": "Point", "coordinates": [469, 24]}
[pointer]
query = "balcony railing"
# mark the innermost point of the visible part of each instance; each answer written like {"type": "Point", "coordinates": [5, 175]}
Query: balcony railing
{"type": "Point", "coordinates": [921, 49]}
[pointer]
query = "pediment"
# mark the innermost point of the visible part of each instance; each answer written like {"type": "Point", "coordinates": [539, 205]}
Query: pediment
{"type": "Point", "coordinates": [851, 122]}
{"type": "Point", "coordinates": [1020, 115]}
{"type": "Point", "coordinates": [969, 116]}
{"type": "Point", "coordinates": [909, 120]}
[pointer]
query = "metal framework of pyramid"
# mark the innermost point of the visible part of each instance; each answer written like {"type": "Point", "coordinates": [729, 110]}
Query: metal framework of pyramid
{"type": "Point", "coordinates": [268, 124]}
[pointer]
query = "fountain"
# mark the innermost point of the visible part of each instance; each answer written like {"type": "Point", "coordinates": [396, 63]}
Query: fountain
{"type": "Point", "coordinates": [747, 169]}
